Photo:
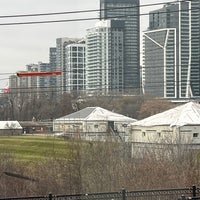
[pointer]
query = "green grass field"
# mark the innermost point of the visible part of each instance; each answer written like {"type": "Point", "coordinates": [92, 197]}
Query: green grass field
{"type": "Point", "coordinates": [34, 147]}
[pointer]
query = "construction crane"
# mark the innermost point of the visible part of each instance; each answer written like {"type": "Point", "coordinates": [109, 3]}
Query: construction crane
{"type": "Point", "coordinates": [45, 73]}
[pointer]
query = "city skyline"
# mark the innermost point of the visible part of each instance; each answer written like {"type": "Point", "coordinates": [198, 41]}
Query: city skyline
{"type": "Point", "coordinates": [25, 44]}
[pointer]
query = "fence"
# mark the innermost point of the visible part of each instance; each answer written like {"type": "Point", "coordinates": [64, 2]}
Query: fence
{"type": "Point", "coordinates": [166, 194]}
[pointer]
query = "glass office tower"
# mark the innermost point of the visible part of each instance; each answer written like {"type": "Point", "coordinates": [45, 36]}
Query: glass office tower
{"type": "Point", "coordinates": [127, 11]}
{"type": "Point", "coordinates": [172, 50]}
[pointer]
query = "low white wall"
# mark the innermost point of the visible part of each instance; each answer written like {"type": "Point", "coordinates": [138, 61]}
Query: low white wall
{"type": "Point", "coordinates": [166, 134]}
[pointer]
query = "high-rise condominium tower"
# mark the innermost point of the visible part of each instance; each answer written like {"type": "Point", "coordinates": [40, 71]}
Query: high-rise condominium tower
{"type": "Point", "coordinates": [172, 51]}
{"type": "Point", "coordinates": [127, 11]}
{"type": "Point", "coordinates": [104, 74]}
{"type": "Point", "coordinates": [61, 44]}
{"type": "Point", "coordinates": [75, 67]}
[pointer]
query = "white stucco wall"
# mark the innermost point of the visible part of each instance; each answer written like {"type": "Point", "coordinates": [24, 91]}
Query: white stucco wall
{"type": "Point", "coordinates": [166, 134]}
{"type": "Point", "coordinates": [190, 134]}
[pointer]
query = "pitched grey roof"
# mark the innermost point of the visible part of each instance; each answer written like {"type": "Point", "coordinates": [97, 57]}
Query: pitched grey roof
{"type": "Point", "coordinates": [96, 114]}
{"type": "Point", "coordinates": [81, 114]}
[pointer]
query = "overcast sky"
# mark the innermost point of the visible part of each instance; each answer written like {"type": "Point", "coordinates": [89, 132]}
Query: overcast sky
{"type": "Point", "coordinates": [25, 44]}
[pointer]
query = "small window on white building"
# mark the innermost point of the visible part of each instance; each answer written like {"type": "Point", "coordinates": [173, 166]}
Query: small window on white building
{"type": "Point", "coordinates": [96, 126]}
{"type": "Point", "coordinates": [195, 134]}
{"type": "Point", "coordinates": [143, 134]}
{"type": "Point", "coordinates": [159, 134]}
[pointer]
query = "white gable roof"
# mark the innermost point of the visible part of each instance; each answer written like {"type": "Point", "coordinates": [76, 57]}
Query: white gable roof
{"type": "Point", "coordinates": [95, 114]}
{"type": "Point", "coordinates": [10, 125]}
{"type": "Point", "coordinates": [187, 114]}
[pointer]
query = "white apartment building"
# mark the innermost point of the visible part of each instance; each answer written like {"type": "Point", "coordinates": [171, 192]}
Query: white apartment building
{"type": "Point", "coordinates": [75, 67]}
{"type": "Point", "coordinates": [61, 44]}
{"type": "Point", "coordinates": [105, 58]}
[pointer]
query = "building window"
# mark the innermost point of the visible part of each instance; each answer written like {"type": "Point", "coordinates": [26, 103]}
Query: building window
{"type": "Point", "coordinates": [159, 134]}
{"type": "Point", "coordinates": [96, 126]}
{"type": "Point", "coordinates": [143, 134]}
{"type": "Point", "coordinates": [195, 134]}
